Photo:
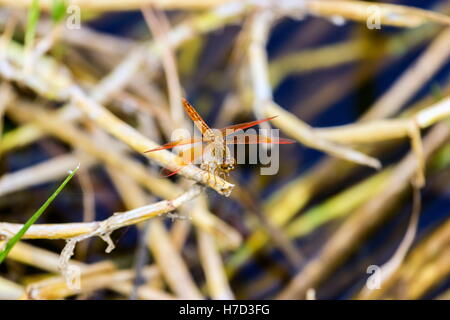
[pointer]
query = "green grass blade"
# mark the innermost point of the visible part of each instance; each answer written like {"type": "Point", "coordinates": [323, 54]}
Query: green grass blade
{"type": "Point", "coordinates": [33, 17]}
{"type": "Point", "coordinates": [59, 8]}
{"type": "Point", "coordinates": [33, 219]}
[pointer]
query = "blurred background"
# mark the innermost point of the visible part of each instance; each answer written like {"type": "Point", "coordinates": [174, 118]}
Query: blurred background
{"type": "Point", "coordinates": [310, 231]}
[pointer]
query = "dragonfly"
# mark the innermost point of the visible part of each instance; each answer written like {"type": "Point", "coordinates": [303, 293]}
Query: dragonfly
{"type": "Point", "coordinates": [216, 156]}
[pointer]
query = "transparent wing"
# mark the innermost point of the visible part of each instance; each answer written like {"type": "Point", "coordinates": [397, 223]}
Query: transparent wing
{"type": "Point", "coordinates": [256, 139]}
{"type": "Point", "coordinates": [186, 157]}
{"type": "Point", "coordinates": [241, 126]}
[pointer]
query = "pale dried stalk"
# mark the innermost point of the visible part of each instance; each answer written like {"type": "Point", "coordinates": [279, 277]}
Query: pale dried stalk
{"type": "Point", "coordinates": [286, 121]}
{"type": "Point", "coordinates": [392, 101]}
{"type": "Point", "coordinates": [48, 78]}
{"type": "Point", "coordinates": [430, 276]}
{"type": "Point", "coordinates": [10, 290]}
{"type": "Point", "coordinates": [119, 5]}
{"type": "Point", "coordinates": [216, 280]}
{"type": "Point", "coordinates": [43, 172]}
{"type": "Point", "coordinates": [44, 45]}
{"type": "Point", "coordinates": [389, 14]}
{"type": "Point", "coordinates": [425, 253]}
{"type": "Point", "coordinates": [394, 263]}
{"type": "Point", "coordinates": [143, 292]}
{"type": "Point", "coordinates": [179, 232]}
{"type": "Point", "coordinates": [117, 79]}
{"type": "Point", "coordinates": [94, 277]}
{"type": "Point", "coordinates": [49, 261]}
{"type": "Point", "coordinates": [85, 230]}
{"type": "Point", "coordinates": [228, 237]}
{"type": "Point", "coordinates": [8, 33]}
{"type": "Point", "coordinates": [37, 257]}
{"type": "Point", "coordinates": [55, 287]}
{"type": "Point", "coordinates": [90, 39]}
{"type": "Point", "coordinates": [167, 257]}
{"type": "Point", "coordinates": [341, 244]}
{"type": "Point", "coordinates": [79, 140]}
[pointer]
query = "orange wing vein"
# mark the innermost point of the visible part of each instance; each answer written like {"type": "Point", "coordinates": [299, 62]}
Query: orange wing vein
{"type": "Point", "coordinates": [187, 157]}
{"type": "Point", "coordinates": [193, 114]}
{"type": "Point", "coordinates": [241, 126]}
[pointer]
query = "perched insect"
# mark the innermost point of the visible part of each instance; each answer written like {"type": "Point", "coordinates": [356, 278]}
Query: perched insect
{"type": "Point", "coordinates": [216, 156]}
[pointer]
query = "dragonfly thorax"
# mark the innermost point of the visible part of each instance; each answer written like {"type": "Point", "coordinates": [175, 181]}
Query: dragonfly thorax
{"type": "Point", "coordinates": [214, 136]}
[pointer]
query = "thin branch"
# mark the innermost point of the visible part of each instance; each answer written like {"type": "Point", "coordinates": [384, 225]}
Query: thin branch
{"type": "Point", "coordinates": [85, 230]}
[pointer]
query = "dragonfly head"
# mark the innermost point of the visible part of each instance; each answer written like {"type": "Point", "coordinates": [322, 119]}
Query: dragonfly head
{"type": "Point", "coordinates": [228, 165]}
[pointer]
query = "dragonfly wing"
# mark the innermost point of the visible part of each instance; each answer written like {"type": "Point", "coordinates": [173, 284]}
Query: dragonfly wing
{"type": "Point", "coordinates": [256, 139]}
{"type": "Point", "coordinates": [241, 126]}
{"type": "Point", "coordinates": [193, 114]}
{"type": "Point", "coordinates": [176, 143]}
{"type": "Point", "coordinates": [186, 157]}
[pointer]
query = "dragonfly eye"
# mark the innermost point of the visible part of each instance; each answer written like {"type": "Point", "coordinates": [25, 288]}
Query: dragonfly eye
{"type": "Point", "coordinates": [227, 167]}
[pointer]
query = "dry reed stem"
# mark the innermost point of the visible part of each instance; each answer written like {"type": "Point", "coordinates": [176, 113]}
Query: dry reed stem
{"type": "Point", "coordinates": [216, 280]}
{"type": "Point", "coordinates": [42, 172]}
{"type": "Point", "coordinates": [343, 53]}
{"type": "Point", "coordinates": [160, 28]}
{"type": "Point", "coordinates": [78, 139]}
{"type": "Point", "coordinates": [48, 78]}
{"type": "Point", "coordinates": [6, 97]}
{"type": "Point", "coordinates": [55, 168]}
{"type": "Point", "coordinates": [393, 264]}
{"type": "Point", "coordinates": [382, 130]}
{"type": "Point", "coordinates": [303, 133]}
{"type": "Point", "coordinates": [169, 261]}
{"type": "Point", "coordinates": [287, 201]}
{"type": "Point", "coordinates": [39, 87]}
{"type": "Point", "coordinates": [424, 255]}
{"type": "Point", "coordinates": [228, 237]}
{"type": "Point", "coordinates": [49, 261]}
{"type": "Point", "coordinates": [171, 264]}
{"type": "Point", "coordinates": [50, 86]}
{"type": "Point", "coordinates": [344, 240]}
{"type": "Point", "coordinates": [95, 277]}
{"type": "Point", "coordinates": [286, 121]}
{"type": "Point", "coordinates": [85, 230]}
{"type": "Point", "coordinates": [179, 232]}
{"type": "Point", "coordinates": [90, 39]}
{"type": "Point", "coordinates": [139, 142]}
